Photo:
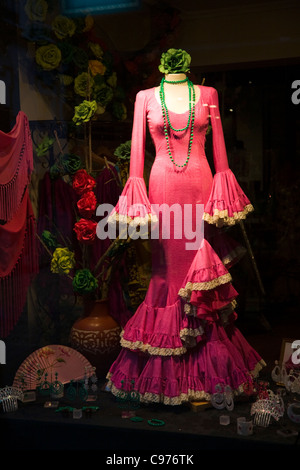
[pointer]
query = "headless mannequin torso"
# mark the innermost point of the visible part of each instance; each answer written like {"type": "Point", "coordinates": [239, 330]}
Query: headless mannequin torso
{"type": "Point", "coordinates": [177, 97]}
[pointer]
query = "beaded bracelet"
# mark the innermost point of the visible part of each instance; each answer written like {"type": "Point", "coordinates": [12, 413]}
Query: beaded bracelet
{"type": "Point", "coordinates": [156, 422]}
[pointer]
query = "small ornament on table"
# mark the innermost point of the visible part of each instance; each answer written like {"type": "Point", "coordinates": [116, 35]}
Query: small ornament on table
{"type": "Point", "coordinates": [128, 400]}
{"type": "Point", "coordinates": [268, 405]}
{"type": "Point", "coordinates": [9, 397]}
{"type": "Point", "coordinates": [223, 397]}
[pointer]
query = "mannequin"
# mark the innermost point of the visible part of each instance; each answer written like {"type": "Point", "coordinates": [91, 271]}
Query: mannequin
{"type": "Point", "coordinates": [177, 97]}
{"type": "Point", "coordinates": [182, 342]}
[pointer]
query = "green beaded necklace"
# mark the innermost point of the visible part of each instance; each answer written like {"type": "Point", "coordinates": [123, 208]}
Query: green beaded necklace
{"type": "Point", "coordinates": [191, 118]}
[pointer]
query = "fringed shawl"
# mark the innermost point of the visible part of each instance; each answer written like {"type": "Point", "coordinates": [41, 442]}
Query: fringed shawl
{"type": "Point", "coordinates": [18, 254]}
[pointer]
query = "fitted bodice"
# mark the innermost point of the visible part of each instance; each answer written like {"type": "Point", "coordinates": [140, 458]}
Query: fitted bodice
{"type": "Point", "coordinates": [179, 141]}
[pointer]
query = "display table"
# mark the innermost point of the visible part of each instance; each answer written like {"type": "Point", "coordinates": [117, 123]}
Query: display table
{"type": "Point", "coordinates": [183, 431]}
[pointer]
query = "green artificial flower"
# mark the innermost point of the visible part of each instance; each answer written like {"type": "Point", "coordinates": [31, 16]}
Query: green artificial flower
{"type": "Point", "coordinates": [71, 163]}
{"type": "Point", "coordinates": [36, 10]}
{"type": "Point", "coordinates": [65, 80]}
{"type": "Point", "coordinates": [49, 239]}
{"type": "Point", "coordinates": [44, 146]}
{"type": "Point", "coordinates": [103, 94]}
{"type": "Point", "coordinates": [54, 172]}
{"type": "Point", "coordinates": [67, 51]}
{"type": "Point", "coordinates": [63, 27]}
{"type": "Point", "coordinates": [84, 112]}
{"type": "Point", "coordinates": [63, 260]}
{"type": "Point", "coordinates": [175, 61]}
{"type": "Point", "coordinates": [123, 151]}
{"type": "Point", "coordinates": [83, 84]}
{"type": "Point", "coordinates": [96, 49]}
{"type": "Point", "coordinates": [84, 282]}
{"type": "Point", "coordinates": [48, 57]}
{"type": "Point", "coordinates": [112, 80]}
{"type": "Point", "coordinates": [80, 58]}
{"type": "Point", "coordinates": [119, 111]}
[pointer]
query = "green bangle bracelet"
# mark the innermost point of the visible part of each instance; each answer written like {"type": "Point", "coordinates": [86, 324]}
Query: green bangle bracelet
{"type": "Point", "coordinates": [156, 422]}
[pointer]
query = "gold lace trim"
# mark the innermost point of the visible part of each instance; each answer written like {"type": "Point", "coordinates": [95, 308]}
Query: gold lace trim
{"type": "Point", "coordinates": [152, 350]}
{"type": "Point", "coordinates": [186, 291]}
{"type": "Point", "coordinates": [183, 397]}
{"type": "Point", "coordinates": [223, 218]}
{"type": "Point", "coordinates": [224, 312]}
{"type": "Point", "coordinates": [126, 219]}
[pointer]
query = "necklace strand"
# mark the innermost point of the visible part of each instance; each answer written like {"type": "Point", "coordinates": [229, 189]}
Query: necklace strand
{"type": "Point", "coordinates": [190, 123]}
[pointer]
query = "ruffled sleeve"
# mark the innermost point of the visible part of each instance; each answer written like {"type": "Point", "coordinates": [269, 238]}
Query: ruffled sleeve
{"type": "Point", "coordinates": [227, 203]}
{"type": "Point", "coordinates": [133, 205]}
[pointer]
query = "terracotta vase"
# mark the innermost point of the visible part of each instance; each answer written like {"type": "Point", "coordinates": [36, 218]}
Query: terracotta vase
{"type": "Point", "coordinates": [97, 336]}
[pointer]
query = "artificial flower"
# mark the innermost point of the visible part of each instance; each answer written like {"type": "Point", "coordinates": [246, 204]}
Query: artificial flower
{"type": "Point", "coordinates": [175, 61]}
{"type": "Point", "coordinates": [84, 282]}
{"type": "Point", "coordinates": [83, 84]}
{"type": "Point", "coordinates": [89, 23]}
{"type": "Point", "coordinates": [63, 27]}
{"type": "Point", "coordinates": [87, 204]}
{"type": "Point", "coordinates": [65, 80]}
{"type": "Point", "coordinates": [84, 112]}
{"type": "Point", "coordinates": [48, 57]}
{"type": "Point", "coordinates": [123, 151]}
{"type": "Point", "coordinates": [54, 172]}
{"type": "Point", "coordinates": [44, 146]}
{"type": "Point", "coordinates": [71, 163]}
{"type": "Point", "coordinates": [49, 239]}
{"type": "Point", "coordinates": [96, 49]}
{"type": "Point", "coordinates": [85, 230]}
{"type": "Point", "coordinates": [83, 182]}
{"type": "Point", "coordinates": [103, 94]}
{"type": "Point", "coordinates": [36, 10]}
{"type": "Point", "coordinates": [63, 260]}
{"type": "Point", "coordinates": [100, 109]}
{"type": "Point", "coordinates": [96, 67]}
{"type": "Point", "coordinates": [67, 51]}
{"type": "Point", "coordinates": [112, 80]}
{"type": "Point", "coordinates": [80, 58]}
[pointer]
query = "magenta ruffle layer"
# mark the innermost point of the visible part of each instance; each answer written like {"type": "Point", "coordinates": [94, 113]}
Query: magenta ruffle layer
{"type": "Point", "coordinates": [224, 358]}
{"type": "Point", "coordinates": [134, 202]}
{"type": "Point", "coordinates": [227, 200]}
{"type": "Point", "coordinates": [161, 330]}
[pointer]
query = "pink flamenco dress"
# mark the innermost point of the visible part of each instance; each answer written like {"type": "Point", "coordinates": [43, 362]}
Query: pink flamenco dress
{"type": "Point", "coordinates": [182, 340]}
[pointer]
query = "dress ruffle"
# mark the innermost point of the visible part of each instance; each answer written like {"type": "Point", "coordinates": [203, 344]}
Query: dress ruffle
{"type": "Point", "coordinates": [133, 205]}
{"type": "Point", "coordinates": [161, 331]}
{"type": "Point", "coordinates": [174, 380]}
{"type": "Point", "coordinates": [207, 288]}
{"type": "Point", "coordinates": [227, 203]}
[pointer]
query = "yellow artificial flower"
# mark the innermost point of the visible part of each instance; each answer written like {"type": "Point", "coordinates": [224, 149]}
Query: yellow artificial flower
{"type": "Point", "coordinates": [83, 84]}
{"type": "Point", "coordinates": [96, 67]}
{"type": "Point", "coordinates": [36, 10]}
{"type": "Point", "coordinates": [89, 23]}
{"type": "Point", "coordinates": [63, 260]}
{"type": "Point", "coordinates": [48, 57]}
{"type": "Point", "coordinates": [63, 27]}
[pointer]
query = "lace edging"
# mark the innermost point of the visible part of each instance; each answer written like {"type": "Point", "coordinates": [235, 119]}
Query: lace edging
{"type": "Point", "coordinates": [186, 291]}
{"type": "Point", "coordinates": [126, 219]}
{"type": "Point", "coordinates": [183, 397]}
{"type": "Point", "coordinates": [222, 216]}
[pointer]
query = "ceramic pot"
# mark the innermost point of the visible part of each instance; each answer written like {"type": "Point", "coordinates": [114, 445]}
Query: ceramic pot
{"type": "Point", "coordinates": [97, 336]}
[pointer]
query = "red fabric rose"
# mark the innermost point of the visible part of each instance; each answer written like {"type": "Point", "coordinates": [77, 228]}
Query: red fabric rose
{"type": "Point", "coordinates": [83, 182]}
{"type": "Point", "coordinates": [87, 204]}
{"type": "Point", "coordinates": [85, 230]}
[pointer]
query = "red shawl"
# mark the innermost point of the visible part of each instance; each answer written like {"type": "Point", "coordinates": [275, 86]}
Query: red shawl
{"type": "Point", "coordinates": [18, 254]}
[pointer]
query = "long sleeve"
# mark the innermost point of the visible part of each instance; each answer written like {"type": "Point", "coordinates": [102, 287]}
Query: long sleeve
{"type": "Point", "coordinates": [227, 203]}
{"type": "Point", "coordinates": [133, 204]}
